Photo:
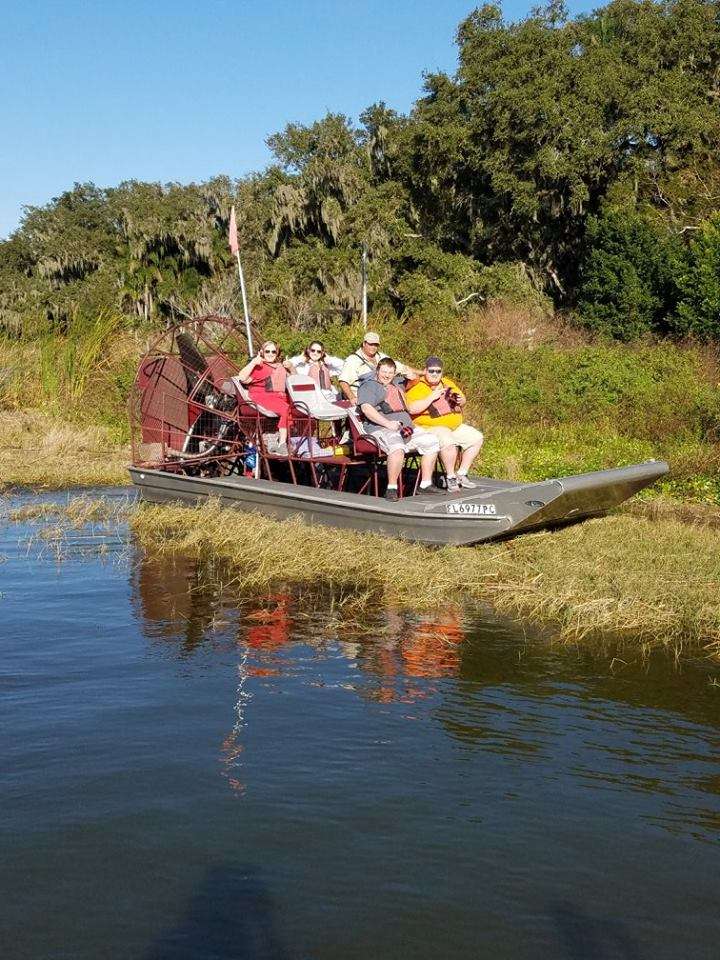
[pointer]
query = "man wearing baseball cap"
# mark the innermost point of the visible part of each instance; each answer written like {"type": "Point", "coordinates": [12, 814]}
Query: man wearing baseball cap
{"type": "Point", "coordinates": [363, 363]}
{"type": "Point", "coordinates": [436, 403]}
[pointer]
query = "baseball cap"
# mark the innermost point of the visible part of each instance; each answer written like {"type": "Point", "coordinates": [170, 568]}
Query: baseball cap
{"type": "Point", "coordinates": [371, 337]}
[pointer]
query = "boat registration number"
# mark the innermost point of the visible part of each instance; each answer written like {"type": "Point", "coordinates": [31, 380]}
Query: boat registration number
{"type": "Point", "coordinates": [478, 509]}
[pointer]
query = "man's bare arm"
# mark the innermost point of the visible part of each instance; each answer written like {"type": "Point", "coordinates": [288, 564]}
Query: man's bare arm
{"type": "Point", "coordinates": [422, 403]}
{"type": "Point", "coordinates": [348, 391]}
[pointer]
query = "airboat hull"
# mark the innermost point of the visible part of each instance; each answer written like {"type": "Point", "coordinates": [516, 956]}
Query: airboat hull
{"type": "Point", "coordinates": [495, 509]}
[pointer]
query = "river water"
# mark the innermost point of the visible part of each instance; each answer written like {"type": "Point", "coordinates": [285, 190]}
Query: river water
{"type": "Point", "coordinates": [190, 774]}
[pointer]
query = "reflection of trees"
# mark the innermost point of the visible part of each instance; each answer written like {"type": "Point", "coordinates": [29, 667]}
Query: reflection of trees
{"type": "Point", "coordinates": [175, 600]}
{"type": "Point", "coordinates": [638, 727]}
{"type": "Point", "coordinates": [499, 654]}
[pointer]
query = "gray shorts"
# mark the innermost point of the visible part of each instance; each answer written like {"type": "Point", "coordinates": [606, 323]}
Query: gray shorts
{"type": "Point", "coordinates": [421, 441]}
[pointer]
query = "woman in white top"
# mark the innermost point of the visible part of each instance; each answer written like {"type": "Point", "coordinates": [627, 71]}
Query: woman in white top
{"type": "Point", "coordinates": [316, 363]}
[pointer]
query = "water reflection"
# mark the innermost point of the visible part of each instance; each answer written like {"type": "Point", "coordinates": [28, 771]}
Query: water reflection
{"type": "Point", "coordinates": [269, 627]}
{"type": "Point", "coordinates": [644, 728]}
{"type": "Point", "coordinates": [178, 599]}
{"type": "Point", "coordinates": [174, 602]}
{"type": "Point", "coordinates": [232, 747]}
{"type": "Point", "coordinates": [212, 773]}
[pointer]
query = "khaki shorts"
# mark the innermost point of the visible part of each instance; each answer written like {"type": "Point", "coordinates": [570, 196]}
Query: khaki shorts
{"type": "Point", "coordinates": [463, 436]}
{"type": "Point", "coordinates": [421, 441]}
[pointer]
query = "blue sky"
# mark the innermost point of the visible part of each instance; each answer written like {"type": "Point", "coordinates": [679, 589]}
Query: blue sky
{"type": "Point", "coordinates": [109, 90]}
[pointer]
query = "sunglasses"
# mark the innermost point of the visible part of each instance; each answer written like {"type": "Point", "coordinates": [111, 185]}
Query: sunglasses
{"type": "Point", "coordinates": [434, 369]}
{"type": "Point", "coordinates": [269, 350]}
{"type": "Point", "coordinates": [314, 350]}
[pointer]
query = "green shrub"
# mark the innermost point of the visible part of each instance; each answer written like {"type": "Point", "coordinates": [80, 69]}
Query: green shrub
{"type": "Point", "coordinates": [628, 277]}
{"type": "Point", "coordinates": [644, 392]}
{"type": "Point", "coordinates": [698, 313]}
{"type": "Point", "coordinates": [511, 282]}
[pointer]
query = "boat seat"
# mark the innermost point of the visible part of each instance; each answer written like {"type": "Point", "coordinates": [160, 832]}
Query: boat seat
{"type": "Point", "coordinates": [307, 396]}
{"type": "Point", "coordinates": [364, 444]}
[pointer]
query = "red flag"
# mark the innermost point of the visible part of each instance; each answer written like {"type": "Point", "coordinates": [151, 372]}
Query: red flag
{"type": "Point", "coordinates": [232, 232]}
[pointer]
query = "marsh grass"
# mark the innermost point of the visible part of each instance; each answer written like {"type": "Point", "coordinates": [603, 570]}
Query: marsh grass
{"type": "Point", "coordinates": [78, 512]}
{"type": "Point", "coordinates": [696, 514]}
{"type": "Point", "coordinates": [37, 449]}
{"type": "Point", "coordinates": [649, 583]}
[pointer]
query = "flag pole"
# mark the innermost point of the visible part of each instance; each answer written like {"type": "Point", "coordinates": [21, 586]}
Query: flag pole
{"type": "Point", "coordinates": [364, 285]}
{"type": "Point", "coordinates": [234, 246]}
{"type": "Point", "coordinates": [245, 306]}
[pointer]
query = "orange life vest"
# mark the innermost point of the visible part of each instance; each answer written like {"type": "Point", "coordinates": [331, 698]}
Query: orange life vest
{"type": "Point", "coordinates": [320, 374]}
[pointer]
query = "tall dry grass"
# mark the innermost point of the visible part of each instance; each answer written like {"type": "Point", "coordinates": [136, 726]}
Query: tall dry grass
{"type": "Point", "coordinates": [656, 584]}
{"type": "Point", "coordinates": [37, 449]}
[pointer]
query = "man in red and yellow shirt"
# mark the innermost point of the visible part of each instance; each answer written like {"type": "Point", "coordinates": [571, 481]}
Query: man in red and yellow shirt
{"type": "Point", "coordinates": [436, 404]}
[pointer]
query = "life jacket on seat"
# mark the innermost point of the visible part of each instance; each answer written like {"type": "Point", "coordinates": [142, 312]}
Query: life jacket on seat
{"type": "Point", "coordinates": [320, 374]}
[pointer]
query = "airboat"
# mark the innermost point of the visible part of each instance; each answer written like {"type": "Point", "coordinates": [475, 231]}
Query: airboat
{"type": "Point", "coordinates": [197, 434]}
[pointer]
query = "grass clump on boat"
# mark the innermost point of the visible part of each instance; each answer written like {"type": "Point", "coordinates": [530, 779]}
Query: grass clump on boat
{"type": "Point", "coordinates": [656, 583]}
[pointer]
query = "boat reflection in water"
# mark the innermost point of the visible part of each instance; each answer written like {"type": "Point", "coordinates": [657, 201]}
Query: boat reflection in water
{"type": "Point", "coordinates": [178, 600]}
{"type": "Point", "coordinates": [489, 686]}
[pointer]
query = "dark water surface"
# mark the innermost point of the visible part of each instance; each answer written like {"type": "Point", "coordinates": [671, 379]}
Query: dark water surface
{"type": "Point", "coordinates": [190, 776]}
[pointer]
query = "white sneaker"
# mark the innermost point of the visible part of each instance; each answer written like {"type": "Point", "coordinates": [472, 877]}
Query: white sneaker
{"type": "Point", "coordinates": [466, 482]}
{"type": "Point", "coordinates": [452, 484]}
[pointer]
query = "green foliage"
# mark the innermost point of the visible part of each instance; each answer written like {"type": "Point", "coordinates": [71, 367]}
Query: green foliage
{"type": "Point", "coordinates": [68, 363]}
{"type": "Point", "coordinates": [567, 160]}
{"type": "Point", "coordinates": [534, 453]}
{"type": "Point", "coordinates": [512, 283]}
{"type": "Point", "coordinates": [646, 393]}
{"type": "Point", "coordinates": [546, 116]}
{"type": "Point", "coordinates": [698, 313]}
{"type": "Point", "coordinates": [627, 277]}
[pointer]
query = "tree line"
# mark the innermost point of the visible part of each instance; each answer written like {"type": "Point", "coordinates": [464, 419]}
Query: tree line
{"type": "Point", "coordinates": [569, 161]}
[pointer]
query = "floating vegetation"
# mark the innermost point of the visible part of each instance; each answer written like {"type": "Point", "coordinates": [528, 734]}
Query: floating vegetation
{"type": "Point", "coordinates": [654, 583]}
{"type": "Point", "coordinates": [648, 580]}
{"type": "Point", "coordinates": [81, 524]}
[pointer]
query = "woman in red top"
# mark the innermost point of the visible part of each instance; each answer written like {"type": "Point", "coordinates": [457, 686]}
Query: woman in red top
{"type": "Point", "coordinates": [265, 376]}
